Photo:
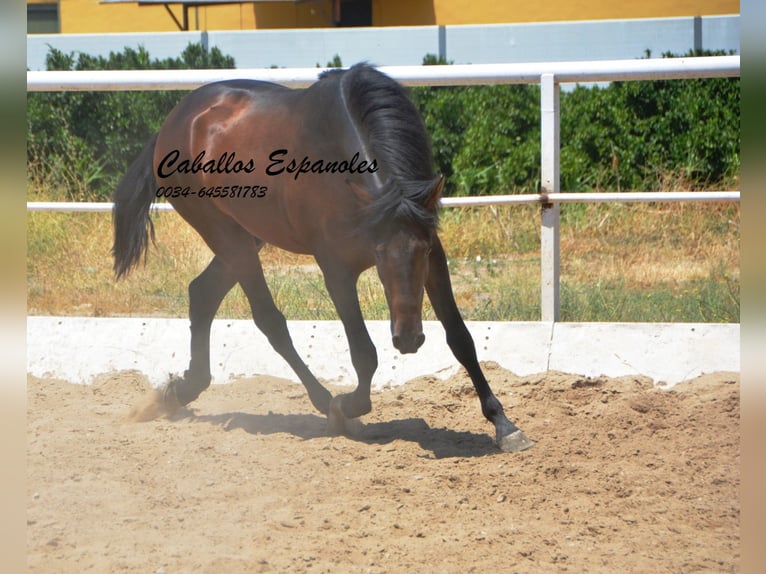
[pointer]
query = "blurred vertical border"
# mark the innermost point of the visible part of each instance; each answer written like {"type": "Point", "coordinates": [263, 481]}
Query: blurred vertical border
{"type": "Point", "coordinates": [753, 285]}
{"type": "Point", "coordinates": [12, 281]}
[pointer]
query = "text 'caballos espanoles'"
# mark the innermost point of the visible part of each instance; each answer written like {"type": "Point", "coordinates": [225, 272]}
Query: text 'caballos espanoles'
{"type": "Point", "coordinates": [279, 163]}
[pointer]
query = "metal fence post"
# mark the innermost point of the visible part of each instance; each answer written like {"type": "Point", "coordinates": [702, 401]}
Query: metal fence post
{"type": "Point", "coordinates": [550, 213]}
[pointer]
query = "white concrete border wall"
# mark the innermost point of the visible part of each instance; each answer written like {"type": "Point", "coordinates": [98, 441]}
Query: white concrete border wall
{"type": "Point", "coordinates": [396, 46]}
{"type": "Point", "coordinates": [77, 349]}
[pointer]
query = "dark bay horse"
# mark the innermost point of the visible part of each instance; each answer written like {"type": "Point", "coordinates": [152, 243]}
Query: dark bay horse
{"type": "Point", "coordinates": [341, 170]}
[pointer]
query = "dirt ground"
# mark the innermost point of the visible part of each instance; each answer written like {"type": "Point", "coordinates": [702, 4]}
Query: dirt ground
{"type": "Point", "coordinates": [624, 477]}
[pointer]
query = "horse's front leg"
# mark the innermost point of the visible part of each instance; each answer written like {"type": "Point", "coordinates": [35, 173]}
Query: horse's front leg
{"type": "Point", "coordinates": [438, 286]}
{"type": "Point", "coordinates": [341, 285]}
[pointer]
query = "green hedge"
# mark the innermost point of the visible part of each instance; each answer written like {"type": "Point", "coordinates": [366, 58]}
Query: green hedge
{"type": "Point", "coordinates": [631, 135]}
{"type": "Point", "coordinates": [486, 139]}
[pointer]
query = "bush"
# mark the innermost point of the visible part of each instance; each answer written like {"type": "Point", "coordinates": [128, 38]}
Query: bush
{"type": "Point", "coordinates": [631, 135]}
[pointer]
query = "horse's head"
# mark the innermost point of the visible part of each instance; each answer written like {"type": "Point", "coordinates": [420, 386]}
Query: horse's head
{"type": "Point", "coordinates": [402, 234]}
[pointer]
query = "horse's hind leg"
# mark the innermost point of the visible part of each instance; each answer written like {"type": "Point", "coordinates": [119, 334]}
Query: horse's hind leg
{"type": "Point", "coordinates": [205, 295]}
{"type": "Point", "coordinates": [236, 261]}
{"type": "Point", "coordinates": [439, 289]}
{"type": "Point", "coordinates": [272, 323]}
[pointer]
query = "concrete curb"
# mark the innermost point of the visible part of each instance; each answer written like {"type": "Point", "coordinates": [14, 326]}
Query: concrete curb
{"type": "Point", "coordinates": [77, 349]}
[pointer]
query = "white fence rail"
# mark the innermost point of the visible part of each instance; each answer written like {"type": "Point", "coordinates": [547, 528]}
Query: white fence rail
{"type": "Point", "coordinates": [549, 75]}
{"type": "Point", "coordinates": [455, 75]}
{"type": "Point", "coordinates": [525, 199]}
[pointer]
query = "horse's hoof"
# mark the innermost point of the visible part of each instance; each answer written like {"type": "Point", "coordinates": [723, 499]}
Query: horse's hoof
{"type": "Point", "coordinates": [517, 441]}
{"type": "Point", "coordinates": [157, 404]}
{"type": "Point", "coordinates": [338, 424]}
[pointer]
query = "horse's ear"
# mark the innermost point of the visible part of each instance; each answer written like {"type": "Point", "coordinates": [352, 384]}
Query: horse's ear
{"type": "Point", "coordinates": [364, 196]}
{"type": "Point", "coordinates": [432, 201]}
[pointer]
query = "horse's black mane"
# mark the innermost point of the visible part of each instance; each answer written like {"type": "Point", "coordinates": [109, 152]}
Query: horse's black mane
{"type": "Point", "coordinates": [397, 138]}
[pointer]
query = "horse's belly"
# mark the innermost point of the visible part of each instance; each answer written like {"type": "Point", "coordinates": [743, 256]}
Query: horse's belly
{"type": "Point", "coordinates": [263, 218]}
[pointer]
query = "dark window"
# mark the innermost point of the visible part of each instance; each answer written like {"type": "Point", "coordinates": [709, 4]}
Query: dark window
{"type": "Point", "coordinates": [42, 18]}
{"type": "Point", "coordinates": [355, 13]}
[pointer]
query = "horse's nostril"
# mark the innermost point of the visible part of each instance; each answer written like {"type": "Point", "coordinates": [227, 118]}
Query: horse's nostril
{"type": "Point", "coordinates": [408, 344]}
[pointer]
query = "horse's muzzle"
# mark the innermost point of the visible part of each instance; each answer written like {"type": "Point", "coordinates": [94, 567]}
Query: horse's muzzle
{"type": "Point", "coordinates": [408, 343]}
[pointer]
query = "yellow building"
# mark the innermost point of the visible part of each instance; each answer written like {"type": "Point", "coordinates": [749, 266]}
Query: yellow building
{"type": "Point", "coordinates": [99, 16]}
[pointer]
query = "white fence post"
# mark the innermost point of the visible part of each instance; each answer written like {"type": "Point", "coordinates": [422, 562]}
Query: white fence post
{"type": "Point", "coordinates": [549, 183]}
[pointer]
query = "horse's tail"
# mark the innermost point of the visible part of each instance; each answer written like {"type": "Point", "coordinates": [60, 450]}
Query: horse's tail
{"type": "Point", "coordinates": [132, 221]}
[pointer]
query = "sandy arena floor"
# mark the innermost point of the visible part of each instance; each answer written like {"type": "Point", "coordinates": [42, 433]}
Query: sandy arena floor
{"type": "Point", "coordinates": [623, 477]}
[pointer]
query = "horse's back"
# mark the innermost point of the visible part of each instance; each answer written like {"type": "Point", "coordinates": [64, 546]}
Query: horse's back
{"type": "Point", "coordinates": [264, 126]}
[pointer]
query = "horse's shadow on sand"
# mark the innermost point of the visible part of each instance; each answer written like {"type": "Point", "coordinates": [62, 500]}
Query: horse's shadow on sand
{"type": "Point", "coordinates": [441, 442]}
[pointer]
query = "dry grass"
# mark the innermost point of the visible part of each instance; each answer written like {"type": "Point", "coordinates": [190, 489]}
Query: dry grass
{"type": "Point", "coordinates": [618, 259]}
{"type": "Point", "coordinates": [651, 243]}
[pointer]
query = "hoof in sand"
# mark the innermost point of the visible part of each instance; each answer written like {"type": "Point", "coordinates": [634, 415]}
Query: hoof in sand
{"type": "Point", "coordinates": [338, 424]}
{"type": "Point", "coordinates": [514, 442]}
{"type": "Point", "coordinates": [158, 403]}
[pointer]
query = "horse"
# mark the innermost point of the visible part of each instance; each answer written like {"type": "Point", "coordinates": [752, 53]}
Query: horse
{"type": "Point", "coordinates": [341, 170]}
